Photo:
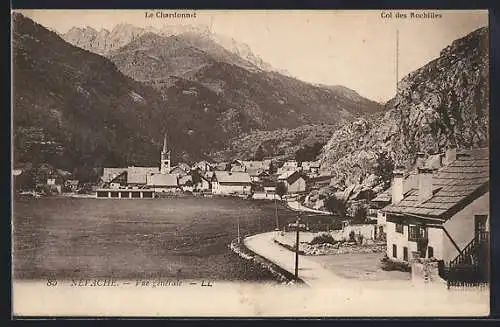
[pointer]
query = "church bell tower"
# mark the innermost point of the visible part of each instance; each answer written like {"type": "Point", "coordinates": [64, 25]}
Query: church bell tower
{"type": "Point", "coordinates": [165, 158]}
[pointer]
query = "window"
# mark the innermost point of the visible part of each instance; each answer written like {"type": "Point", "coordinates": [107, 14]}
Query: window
{"type": "Point", "coordinates": [399, 228]}
{"type": "Point", "coordinates": [416, 232]}
{"type": "Point", "coordinates": [405, 253]}
{"type": "Point", "coordinates": [394, 251]}
{"type": "Point", "coordinates": [412, 233]}
{"type": "Point", "coordinates": [430, 251]}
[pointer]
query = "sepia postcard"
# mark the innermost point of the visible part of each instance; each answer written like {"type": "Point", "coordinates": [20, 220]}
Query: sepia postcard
{"type": "Point", "coordinates": [250, 163]}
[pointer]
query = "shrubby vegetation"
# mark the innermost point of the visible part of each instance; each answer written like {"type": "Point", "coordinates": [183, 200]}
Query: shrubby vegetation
{"type": "Point", "coordinates": [323, 238]}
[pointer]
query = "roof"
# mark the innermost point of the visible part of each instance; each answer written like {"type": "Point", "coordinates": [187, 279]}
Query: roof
{"type": "Point", "coordinates": [137, 175]}
{"type": "Point", "coordinates": [311, 164]}
{"type": "Point", "coordinates": [184, 179]}
{"type": "Point", "coordinates": [454, 186]}
{"type": "Point", "coordinates": [179, 169]}
{"type": "Point", "coordinates": [291, 163]}
{"type": "Point", "coordinates": [291, 176]}
{"type": "Point", "coordinates": [184, 166]}
{"type": "Point", "coordinates": [232, 177]}
{"type": "Point", "coordinates": [409, 183]}
{"type": "Point", "coordinates": [287, 174]}
{"type": "Point", "coordinates": [162, 180]}
{"type": "Point", "coordinates": [257, 172]}
{"type": "Point", "coordinates": [203, 164]}
{"type": "Point", "coordinates": [252, 165]}
{"type": "Point", "coordinates": [108, 174]}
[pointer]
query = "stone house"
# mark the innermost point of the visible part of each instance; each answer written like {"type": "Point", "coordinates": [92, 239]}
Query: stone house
{"type": "Point", "coordinates": [445, 216]}
{"type": "Point", "coordinates": [295, 182]}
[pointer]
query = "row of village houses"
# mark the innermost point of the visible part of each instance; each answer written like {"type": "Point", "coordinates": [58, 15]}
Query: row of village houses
{"type": "Point", "coordinates": [439, 210]}
{"type": "Point", "coordinates": [238, 177]}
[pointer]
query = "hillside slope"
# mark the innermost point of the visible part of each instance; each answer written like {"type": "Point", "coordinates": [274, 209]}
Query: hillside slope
{"type": "Point", "coordinates": [444, 103]}
{"type": "Point", "coordinates": [264, 100]}
{"type": "Point", "coordinates": [74, 108]}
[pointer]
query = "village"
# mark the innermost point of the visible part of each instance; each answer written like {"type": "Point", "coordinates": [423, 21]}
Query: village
{"type": "Point", "coordinates": [432, 221]}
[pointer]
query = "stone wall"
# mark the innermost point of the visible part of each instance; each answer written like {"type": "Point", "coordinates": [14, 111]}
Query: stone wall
{"type": "Point", "coordinates": [424, 271]}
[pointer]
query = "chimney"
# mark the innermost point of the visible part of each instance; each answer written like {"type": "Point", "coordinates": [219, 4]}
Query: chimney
{"type": "Point", "coordinates": [397, 185]}
{"type": "Point", "coordinates": [450, 156]}
{"type": "Point", "coordinates": [420, 159]}
{"type": "Point", "coordinates": [424, 184]}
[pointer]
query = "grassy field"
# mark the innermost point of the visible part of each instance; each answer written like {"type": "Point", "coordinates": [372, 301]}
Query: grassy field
{"type": "Point", "coordinates": [185, 238]}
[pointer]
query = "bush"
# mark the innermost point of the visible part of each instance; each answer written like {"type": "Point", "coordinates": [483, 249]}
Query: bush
{"type": "Point", "coordinates": [323, 238]}
{"type": "Point", "coordinates": [390, 265]}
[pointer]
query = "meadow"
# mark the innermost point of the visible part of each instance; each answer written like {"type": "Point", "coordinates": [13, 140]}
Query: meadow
{"type": "Point", "coordinates": [185, 238]}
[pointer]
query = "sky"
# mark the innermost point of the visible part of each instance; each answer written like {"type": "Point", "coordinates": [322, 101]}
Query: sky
{"type": "Point", "coordinates": [353, 48]}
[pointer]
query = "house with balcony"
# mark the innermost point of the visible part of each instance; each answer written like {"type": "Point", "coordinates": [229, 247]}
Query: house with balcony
{"type": "Point", "coordinates": [382, 200]}
{"type": "Point", "coordinates": [445, 216]}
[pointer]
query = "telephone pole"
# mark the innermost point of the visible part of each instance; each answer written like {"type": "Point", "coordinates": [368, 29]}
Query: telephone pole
{"type": "Point", "coordinates": [297, 249]}
{"type": "Point", "coordinates": [397, 60]}
{"type": "Point", "coordinates": [276, 212]}
{"type": "Point", "coordinates": [239, 238]}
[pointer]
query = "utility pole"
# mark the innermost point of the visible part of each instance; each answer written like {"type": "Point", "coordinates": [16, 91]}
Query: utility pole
{"type": "Point", "coordinates": [297, 249]}
{"type": "Point", "coordinates": [239, 238]}
{"type": "Point", "coordinates": [397, 60]}
{"type": "Point", "coordinates": [276, 213]}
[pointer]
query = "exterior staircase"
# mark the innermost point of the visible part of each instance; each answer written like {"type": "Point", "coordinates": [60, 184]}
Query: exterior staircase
{"type": "Point", "coordinates": [472, 265]}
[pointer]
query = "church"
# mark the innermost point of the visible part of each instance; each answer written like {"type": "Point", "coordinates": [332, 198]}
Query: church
{"type": "Point", "coordinates": [121, 182]}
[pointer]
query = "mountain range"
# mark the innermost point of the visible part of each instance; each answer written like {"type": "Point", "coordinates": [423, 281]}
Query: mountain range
{"type": "Point", "coordinates": [105, 41]}
{"type": "Point", "coordinates": [113, 106]}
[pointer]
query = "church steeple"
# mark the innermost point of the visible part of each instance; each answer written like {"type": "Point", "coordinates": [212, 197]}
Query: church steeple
{"type": "Point", "coordinates": [165, 157]}
{"type": "Point", "coordinates": [165, 144]}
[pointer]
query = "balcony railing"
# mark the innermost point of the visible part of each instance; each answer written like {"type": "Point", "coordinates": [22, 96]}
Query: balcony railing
{"type": "Point", "coordinates": [471, 265]}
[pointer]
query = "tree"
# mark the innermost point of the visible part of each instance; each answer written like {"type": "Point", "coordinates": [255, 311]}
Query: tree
{"type": "Point", "coordinates": [25, 181]}
{"type": "Point", "coordinates": [196, 176]}
{"type": "Point", "coordinates": [259, 153]}
{"type": "Point", "coordinates": [308, 152]}
{"type": "Point", "coordinates": [384, 167]}
{"type": "Point", "coordinates": [280, 189]}
{"type": "Point", "coordinates": [336, 206]}
{"type": "Point", "coordinates": [360, 213]}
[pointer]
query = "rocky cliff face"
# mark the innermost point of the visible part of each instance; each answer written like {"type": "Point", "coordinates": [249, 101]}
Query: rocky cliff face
{"type": "Point", "coordinates": [444, 103]}
{"type": "Point", "coordinates": [104, 41]}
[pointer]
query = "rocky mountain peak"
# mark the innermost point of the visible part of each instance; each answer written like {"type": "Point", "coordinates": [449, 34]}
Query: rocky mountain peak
{"type": "Point", "coordinates": [444, 103]}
